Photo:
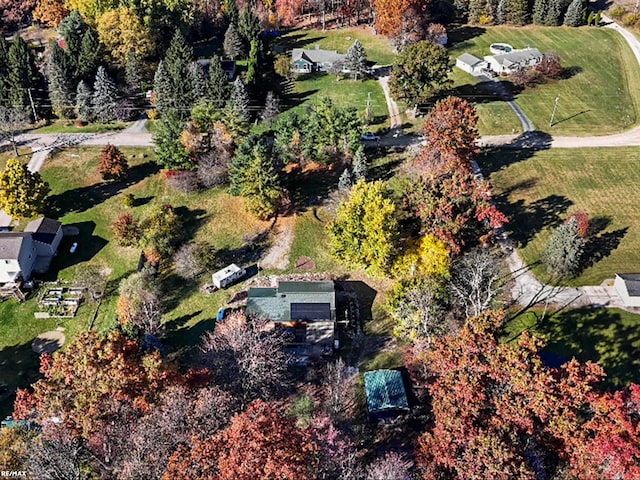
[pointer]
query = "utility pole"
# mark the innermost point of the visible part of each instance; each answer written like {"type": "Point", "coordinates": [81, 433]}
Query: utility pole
{"type": "Point", "coordinates": [33, 108]}
{"type": "Point", "coordinates": [555, 109]}
{"type": "Point", "coordinates": [368, 113]}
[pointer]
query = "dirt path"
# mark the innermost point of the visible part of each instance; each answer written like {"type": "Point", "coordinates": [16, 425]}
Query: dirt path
{"type": "Point", "coordinates": [278, 254]}
{"type": "Point", "coordinates": [392, 106]}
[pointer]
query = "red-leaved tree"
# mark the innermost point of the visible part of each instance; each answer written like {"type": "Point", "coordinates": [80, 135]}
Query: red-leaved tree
{"type": "Point", "coordinates": [260, 443]}
{"type": "Point", "coordinates": [113, 164]}
{"type": "Point", "coordinates": [498, 412]}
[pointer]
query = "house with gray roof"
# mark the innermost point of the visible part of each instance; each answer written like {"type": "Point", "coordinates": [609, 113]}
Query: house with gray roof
{"type": "Point", "coordinates": [314, 60]}
{"type": "Point", "coordinates": [307, 309]}
{"type": "Point", "coordinates": [507, 63]}
{"type": "Point", "coordinates": [23, 253]}
{"type": "Point", "coordinates": [17, 256]}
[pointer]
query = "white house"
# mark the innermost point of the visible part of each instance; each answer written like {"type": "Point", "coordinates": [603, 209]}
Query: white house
{"type": "Point", "coordinates": [628, 287]}
{"type": "Point", "coordinates": [17, 256]}
{"type": "Point", "coordinates": [470, 63]}
{"type": "Point", "coordinates": [513, 61]}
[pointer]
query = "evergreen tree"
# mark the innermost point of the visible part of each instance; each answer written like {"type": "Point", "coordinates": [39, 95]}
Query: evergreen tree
{"type": "Point", "coordinates": [4, 71]}
{"type": "Point", "coordinates": [22, 73]}
{"type": "Point", "coordinates": [359, 164]}
{"type": "Point", "coordinates": [249, 26]}
{"type": "Point", "coordinates": [199, 82]}
{"type": "Point", "coordinates": [105, 96]}
{"type": "Point", "coordinates": [540, 12]}
{"type": "Point", "coordinates": [90, 56]}
{"type": "Point", "coordinates": [501, 12]}
{"type": "Point", "coordinates": [252, 65]}
{"type": "Point", "coordinates": [563, 254]}
{"type": "Point", "coordinates": [60, 80]}
{"type": "Point", "coordinates": [575, 14]}
{"type": "Point", "coordinates": [271, 108]}
{"type": "Point", "coordinates": [345, 182]}
{"type": "Point", "coordinates": [162, 92]}
{"type": "Point", "coordinates": [240, 99]}
{"type": "Point", "coordinates": [254, 175]}
{"type": "Point", "coordinates": [356, 60]}
{"type": "Point", "coordinates": [554, 12]}
{"type": "Point", "coordinates": [218, 83]}
{"type": "Point", "coordinates": [233, 46]}
{"type": "Point", "coordinates": [72, 29]}
{"type": "Point", "coordinates": [230, 8]}
{"type": "Point", "coordinates": [170, 153]}
{"type": "Point", "coordinates": [177, 60]}
{"type": "Point", "coordinates": [517, 12]}
{"type": "Point", "coordinates": [133, 73]}
{"type": "Point", "coordinates": [84, 108]}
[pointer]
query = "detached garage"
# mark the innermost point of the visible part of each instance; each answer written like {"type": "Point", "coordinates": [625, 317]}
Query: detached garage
{"type": "Point", "coordinates": [628, 287]}
{"type": "Point", "coordinates": [469, 63]}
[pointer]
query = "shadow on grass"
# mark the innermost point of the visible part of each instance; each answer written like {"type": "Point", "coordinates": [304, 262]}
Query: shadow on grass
{"type": "Point", "coordinates": [19, 368]}
{"type": "Point", "coordinates": [83, 198]}
{"type": "Point", "coordinates": [601, 245]}
{"type": "Point", "coordinates": [570, 117]}
{"type": "Point", "coordinates": [294, 99]}
{"type": "Point", "coordinates": [296, 40]}
{"type": "Point", "coordinates": [459, 36]}
{"type": "Point", "coordinates": [88, 247]}
{"type": "Point", "coordinates": [610, 338]}
{"type": "Point", "coordinates": [528, 220]}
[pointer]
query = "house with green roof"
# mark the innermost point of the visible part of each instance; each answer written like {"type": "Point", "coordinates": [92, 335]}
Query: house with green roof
{"type": "Point", "coordinates": [307, 309]}
{"type": "Point", "coordinates": [385, 393]}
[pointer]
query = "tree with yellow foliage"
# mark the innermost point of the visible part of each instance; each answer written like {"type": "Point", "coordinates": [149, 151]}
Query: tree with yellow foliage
{"type": "Point", "coordinates": [365, 228]}
{"type": "Point", "coordinates": [427, 256]}
{"type": "Point", "coordinates": [122, 32]}
{"type": "Point", "coordinates": [22, 192]}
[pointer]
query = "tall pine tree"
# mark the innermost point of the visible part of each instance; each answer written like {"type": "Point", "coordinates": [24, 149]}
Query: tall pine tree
{"type": "Point", "coordinates": [356, 60]}
{"type": "Point", "coordinates": [60, 80]}
{"type": "Point", "coordinates": [162, 91]}
{"type": "Point", "coordinates": [517, 12]}
{"type": "Point", "coordinates": [271, 108]}
{"type": "Point", "coordinates": [540, 12]}
{"type": "Point", "coordinates": [177, 60]}
{"type": "Point", "coordinates": [575, 14]}
{"type": "Point", "coordinates": [218, 83]}
{"type": "Point", "coordinates": [199, 82]}
{"type": "Point", "coordinates": [249, 26]}
{"type": "Point", "coordinates": [105, 96]}
{"type": "Point", "coordinates": [84, 107]}
{"type": "Point", "coordinates": [133, 77]}
{"type": "Point", "coordinates": [4, 71]}
{"type": "Point", "coordinates": [22, 73]}
{"type": "Point", "coordinates": [90, 56]}
{"type": "Point", "coordinates": [233, 45]}
{"type": "Point", "coordinates": [72, 29]}
{"type": "Point", "coordinates": [240, 99]}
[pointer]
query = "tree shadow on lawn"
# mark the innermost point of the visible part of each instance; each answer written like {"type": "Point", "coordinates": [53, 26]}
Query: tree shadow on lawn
{"type": "Point", "coordinates": [599, 335]}
{"type": "Point", "coordinates": [88, 247]}
{"type": "Point", "coordinates": [83, 198]}
{"type": "Point", "coordinates": [296, 40]}
{"type": "Point", "coordinates": [460, 35]}
{"type": "Point", "coordinates": [19, 368]}
{"type": "Point", "coordinates": [527, 220]}
{"type": "Point", "coordinates": [295, 99]}
{"type": "Point", "coordinates": [601, 244]}
{"type": "Point", "coordinates": [495, 158]}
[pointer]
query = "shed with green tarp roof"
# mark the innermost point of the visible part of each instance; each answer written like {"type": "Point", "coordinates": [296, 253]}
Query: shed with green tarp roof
{"type": "Point", "coordinates": [385, 393]}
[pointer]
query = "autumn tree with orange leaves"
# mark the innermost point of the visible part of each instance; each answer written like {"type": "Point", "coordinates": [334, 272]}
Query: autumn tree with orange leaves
{"type": "Point", "coordinates": [260, 443]}
{"type": "Point", "coordinates": [390, 14]}
{"type": "Point", "coordinates": [499, 412]}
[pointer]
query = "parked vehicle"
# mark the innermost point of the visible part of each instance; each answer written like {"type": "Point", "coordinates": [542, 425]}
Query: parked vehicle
{"type": "Point", "coordinates": [369, 137]}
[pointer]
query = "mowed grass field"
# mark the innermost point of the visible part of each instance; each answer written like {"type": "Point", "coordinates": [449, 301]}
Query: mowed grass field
{"type": "Point", "coordinates": [539, 189]}
{"type": "Point", "coordinates": [599, 95]}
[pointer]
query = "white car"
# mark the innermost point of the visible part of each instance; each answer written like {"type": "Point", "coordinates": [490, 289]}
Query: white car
{"type": "Point", "coordinates": [369, 137]}
{"type": "Point", "coordinates": [74, 247]}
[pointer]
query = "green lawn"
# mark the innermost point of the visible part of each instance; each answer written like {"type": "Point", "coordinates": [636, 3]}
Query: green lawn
{"type": "Point", "coordinates": [378, 48]}
{"type": "Point", "coordinates": [537, 190]}
{"type": "Point", "coordinates": [344, 93]}
{"type": "Point", "coordinates": [599, 97]}
{"type": "Point", "coordinates": [67, 126]}
{"type": "Point", "coordinates": [609, 337]}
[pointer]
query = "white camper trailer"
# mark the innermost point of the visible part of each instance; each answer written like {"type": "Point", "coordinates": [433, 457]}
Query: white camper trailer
{"type": "Point", "coordinates": [228, 275]}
